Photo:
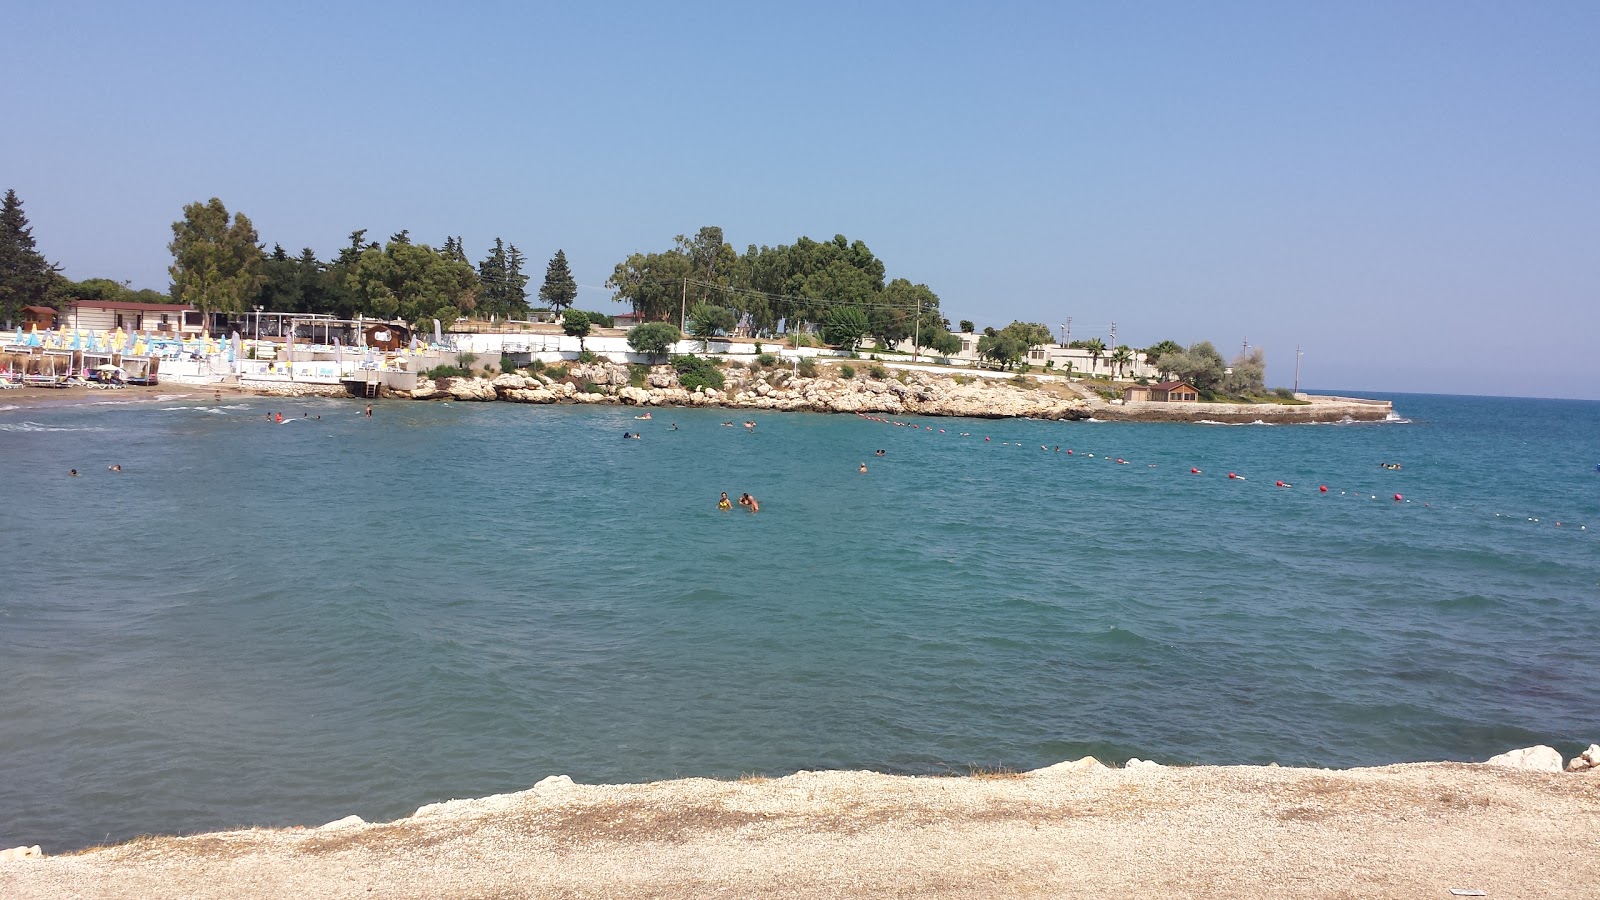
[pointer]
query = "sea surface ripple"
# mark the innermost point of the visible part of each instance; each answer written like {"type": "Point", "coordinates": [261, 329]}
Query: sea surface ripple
{"type": "Point", "coordinates": [272, 624]}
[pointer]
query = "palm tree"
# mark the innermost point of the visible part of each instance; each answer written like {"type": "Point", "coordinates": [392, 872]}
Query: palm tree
{"type": "Point", "coordinates": [1096, 348]}
{"type": "Point", "coordinates": [1120, 358]}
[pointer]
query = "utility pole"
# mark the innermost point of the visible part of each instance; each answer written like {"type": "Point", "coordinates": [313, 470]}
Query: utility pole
{"type": "Point", "coordinates": [1113, 341]}
{"type": "Point", "coordinates": [1246, 348]}
{"type": "Point", "coordinates": [1069, 331]}
{"type": "Point", "coordinates": [916, 331]}
{"type": "Point", "coordinates": [683, 307]}
{"type": "Point", "coordinates": [1063, 334]}
{"type": "Point", "coordinates": [1297, 354]}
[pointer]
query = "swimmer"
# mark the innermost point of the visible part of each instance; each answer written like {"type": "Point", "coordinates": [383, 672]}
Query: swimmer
{"type": "Point", "coordinates": [879, 453]}
{"type": "Point", "coordinates": [74, 472]}
{"type": "Point", "coordinates": [723, 503]}
{"type": "Point", "coordinates": [369, 410]}
{"type": "Point", "coordinates": [674, 426]}
{"type": "Point", "coordinates": [749, 426]}
{"type": "Point", "coordinates": [638, 436]}
{"type": "Point", "coordinates": [115, 468]}
{"type": "Point", "coordinates": [750, 503]}
{"type": "Point", "coordinates": [645, 416]}
{"type": "Point", "coordinates": [863, 469]}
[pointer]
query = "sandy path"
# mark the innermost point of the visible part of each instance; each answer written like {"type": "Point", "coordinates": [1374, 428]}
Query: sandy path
{"type": "Point", "coordinates": [1398, 831]}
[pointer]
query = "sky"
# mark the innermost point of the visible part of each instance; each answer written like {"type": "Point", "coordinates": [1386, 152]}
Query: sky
{"type": "Point", "coordinates": [1407, 192]}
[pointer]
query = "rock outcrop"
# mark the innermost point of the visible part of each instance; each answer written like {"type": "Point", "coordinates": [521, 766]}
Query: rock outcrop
{"type": "Point", "coordinates": [913, 393]}
{"type": "Point", "coordinates": [1533, 759]}
{"type": "Point", "coordinates": [1588, 760]}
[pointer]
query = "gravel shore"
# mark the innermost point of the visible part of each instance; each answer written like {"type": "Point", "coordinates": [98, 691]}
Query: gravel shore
{"type": "Point", "coordinates": [1073, 830]}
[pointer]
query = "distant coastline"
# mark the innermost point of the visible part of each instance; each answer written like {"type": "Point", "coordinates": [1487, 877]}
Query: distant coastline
{"type": "Point", "coordinates": [901, 391]}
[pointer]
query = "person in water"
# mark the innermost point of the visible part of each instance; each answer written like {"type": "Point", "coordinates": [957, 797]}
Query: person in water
{"type": "Point", "coordinates": [724, 503]}
{"type": "Point", "coordinates": [674, 426]}
{"type": "Point", "coordinates": [863, 469]}
{"type": "Point", "coordinates": [74, 474]}
{"type": "Point", "coordinates": [749, 502]}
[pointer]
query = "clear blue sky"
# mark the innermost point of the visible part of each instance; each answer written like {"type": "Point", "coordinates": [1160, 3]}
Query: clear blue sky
{"type": "Point", "coordinates": [1410, 191]}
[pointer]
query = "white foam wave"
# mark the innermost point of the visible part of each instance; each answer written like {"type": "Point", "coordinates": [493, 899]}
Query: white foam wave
{"type": "Point", "coordinates": [35, 426]}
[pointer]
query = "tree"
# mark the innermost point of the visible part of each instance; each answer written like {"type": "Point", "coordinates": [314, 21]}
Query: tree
{"type": "Point", "coordinates": [1003, 347]}
{"type": "Point", "coordinates": [215, 265]}
{"type": "Point", "coordinates": [845, 326]}
{"type": "Point", "coordinates": [967, 327]}
{"type": "Point", "coordinates": [413, 281]}
{"type": "Point", "coordinates": [575, 322]}
{"type": "Point", "coordinates": [1248, 375]}
{"type": "Point", "coordinates": [707, 321]}
{"type": "Point", "coordinates": [559, 288]}
{"type": "Point", "coordinates": [1121, 358]}
{"type": "Point", "coordinates": [654, 338]}
{"type": "Point", "coordinates": [26, 279]}
{"type": "Point", "coordinates": [1097, 349]}
{"type": "Point", "coordinates": [1201, 365]}
{"type": "Point", "coordinates": [504, 292]}
{"type": "Point", "coordinates": [1158, 353]}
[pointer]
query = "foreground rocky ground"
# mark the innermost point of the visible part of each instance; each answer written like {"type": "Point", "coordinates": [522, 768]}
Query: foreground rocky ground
{"type": "Point", "coordinates": [1072, 830]}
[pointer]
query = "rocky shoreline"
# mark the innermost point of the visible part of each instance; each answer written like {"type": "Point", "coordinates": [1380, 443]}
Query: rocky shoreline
{"type": "Point", "coordinates": [902, 393]}
{"type": "Point", "coordinates": [1514, 827]}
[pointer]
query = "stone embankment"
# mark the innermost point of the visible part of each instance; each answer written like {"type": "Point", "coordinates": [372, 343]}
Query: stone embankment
{"type": "Point", "coordinates": [912, 393]}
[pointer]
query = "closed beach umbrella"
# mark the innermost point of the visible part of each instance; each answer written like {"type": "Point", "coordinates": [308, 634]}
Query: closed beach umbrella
{"type": "Point", "coordinates": [33, 336]}
{"type": "Point", "coordinates": [438, 338]}
{"type": "Point", "coordinates": [19, 334]}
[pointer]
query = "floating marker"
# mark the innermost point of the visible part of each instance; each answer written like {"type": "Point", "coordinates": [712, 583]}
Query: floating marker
{"type": "Point", "coordinates": [1398, 498]}
{"type": "Point", "coordinates": [1323, 489]}
{"type": "Point", "coordinates": [1193, 471]}
{"type": "Point", "coordinates": [1284, 484]}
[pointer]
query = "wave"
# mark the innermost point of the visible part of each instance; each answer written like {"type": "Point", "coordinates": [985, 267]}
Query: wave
{"type": "Point", "coordinates": [35, 426]}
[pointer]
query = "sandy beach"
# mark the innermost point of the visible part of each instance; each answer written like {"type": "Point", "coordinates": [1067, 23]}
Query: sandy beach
{"type": "Point", "coordinates": [1075, 829]}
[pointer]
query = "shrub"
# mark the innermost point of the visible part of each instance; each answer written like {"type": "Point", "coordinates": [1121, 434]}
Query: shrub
{"type": "Point", "coordinates": [654, 339]}
{"type": "Point", "coordinates": [587, 356]}
{"type": "Point", "coordinates": [590, 387]}
{"type": "Point", "coordinates": [557, 372]}
{"type": "Point", "coordinates": [637, 375]}
{"type": "Point", "coordinates": [847, 371]}
{"type": "Point", "coordinates": [507, 364]}
{"type": "Point", "coordinates": [536, 365]}
{"type": "Point", "coordinates": [807, 368]}
{"type": "Point", "coordinates": [438, 372]}
{"type": "Point", "coordinates": [465, 359]}
{"type": "Point", "coordinates": [697, 372]}
{"type": "Point", "coordinates": [1283, 393]}
{"type": "Point", "coordinates": [767, 360]}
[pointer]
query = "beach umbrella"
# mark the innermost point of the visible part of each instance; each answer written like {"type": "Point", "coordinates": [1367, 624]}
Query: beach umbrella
{"type": "Point", "coordinates": [438, 338]}
{"type": "Point", "coordinates": [33, 336]}
{"type": "Point", "coordinates": [19, 335]}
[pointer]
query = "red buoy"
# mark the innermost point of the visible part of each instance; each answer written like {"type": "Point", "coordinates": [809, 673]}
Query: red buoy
{"type": "Point", "coordinates": [1193, 471]}
{"type": "Point", "coordinates": [1231, 475]}
{"type": "Point", "coordinates": [1323, 489]}
{"type": "Point", "coordinates": [1398, 498]}
{"type": "Point", "coordinates": [1281, 483]}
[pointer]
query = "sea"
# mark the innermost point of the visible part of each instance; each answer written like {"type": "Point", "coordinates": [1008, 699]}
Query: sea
{"type": "Point", "coordinates": [257, 623]}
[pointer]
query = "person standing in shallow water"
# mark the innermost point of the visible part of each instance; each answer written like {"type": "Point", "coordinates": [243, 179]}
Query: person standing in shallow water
{"type": "Point", "coordinates": [863, 469]}
{"type": "Point", "coordinates": [369, 410]}
{"type": "Point", "coordinates": [724, 503]}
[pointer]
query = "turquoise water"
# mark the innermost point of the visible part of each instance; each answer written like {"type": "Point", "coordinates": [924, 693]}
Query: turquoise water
{"type": "Point", "coordinates": [279, 624]}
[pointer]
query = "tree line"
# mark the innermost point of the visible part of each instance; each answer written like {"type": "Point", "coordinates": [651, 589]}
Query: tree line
{"type": "Point", "coordinates": [703, 284]}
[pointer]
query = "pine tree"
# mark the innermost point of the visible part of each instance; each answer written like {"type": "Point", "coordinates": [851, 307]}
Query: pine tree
{"type": "Point", "coordinates": [559, 289]}
{"type": "Point", "coordinates": [25, 277]}
{"type": "Point", "coordinates": [215, 265]}
{"type": "Point", "coordinates": [516, 282]}
{"type": "Point", "coordinates": [492, 273]}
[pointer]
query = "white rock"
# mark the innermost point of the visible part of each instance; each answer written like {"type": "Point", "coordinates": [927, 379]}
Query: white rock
{"type": "Point", "coordinates": [1086, 764]}
{"type": "Point", "coordinates": [553, 783]}
{"type": "Point", "coordinates": [346, 822]}
{"type": "Point", "coordinates": [1533, 759]}
{"type": "Point", "coordinates": [1578, 764]}
{"type": "Point", "coordinates": [21, 853]}
{"type": "Point", "coordinates": [1592, 754]}
{"type": "Point", "coordinates": [1137, 763]}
